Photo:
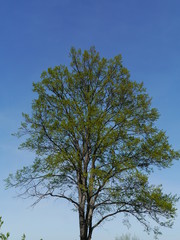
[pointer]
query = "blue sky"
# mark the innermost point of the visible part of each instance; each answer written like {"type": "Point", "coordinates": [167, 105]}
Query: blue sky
{"type": "Point", "coordinates": [37, 34]}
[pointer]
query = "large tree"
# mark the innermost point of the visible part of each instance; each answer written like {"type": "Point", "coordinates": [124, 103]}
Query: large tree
{"type": "Point", "coordinates": [93, 131]}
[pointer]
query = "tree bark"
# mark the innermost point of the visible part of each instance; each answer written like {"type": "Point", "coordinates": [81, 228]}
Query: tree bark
{"type": "Point", "coordinates": [82, 221]}
{"type": "Point", "coordinates": [83, 228]}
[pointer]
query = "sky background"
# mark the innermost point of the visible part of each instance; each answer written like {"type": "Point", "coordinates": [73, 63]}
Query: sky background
{"type": "Point", "coordinates": [38, 34]}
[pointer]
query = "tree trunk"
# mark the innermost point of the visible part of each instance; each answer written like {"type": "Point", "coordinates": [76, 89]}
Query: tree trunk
{"type": "Point", "coordinates": [83, 227]}
{"type": "Point", "coordinates": [90, 234]}
{"type": "Point", "coordinates": [85, 234]}
{"type": "Point", "coordinates": [82, 220]}
{"type": "Point", "coordinates": [90, 225]}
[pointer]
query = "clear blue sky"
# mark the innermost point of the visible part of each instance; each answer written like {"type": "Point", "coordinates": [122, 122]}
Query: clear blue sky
{"type": "Point", "coordinates": [37, 34]}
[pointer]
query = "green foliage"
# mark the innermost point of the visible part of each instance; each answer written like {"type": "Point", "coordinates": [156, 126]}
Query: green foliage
{"type": "Point", "coordinates": [3, 236]}
{"type": "Point", "coordinates": [23, 237]}
{"type": "Point", "coordinates": [6, 236]}
{"type": "Point", "coordinates": [96, 142]}
{"type": "Point", "coordinates": [127, 237]}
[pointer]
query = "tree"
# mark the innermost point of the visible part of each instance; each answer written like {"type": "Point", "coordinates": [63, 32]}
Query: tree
{"type": "Point", "coordinates": [93, 131]}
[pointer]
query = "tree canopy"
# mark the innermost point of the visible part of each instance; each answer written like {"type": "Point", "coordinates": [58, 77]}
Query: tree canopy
{"type": "Point", "coordinates": [94, 134]}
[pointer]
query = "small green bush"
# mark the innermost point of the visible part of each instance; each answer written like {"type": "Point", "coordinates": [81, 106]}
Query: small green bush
{"type": "Point", "coordinates": [2, 235]}
{"type": "Point", "coordinates": [6, 236]}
